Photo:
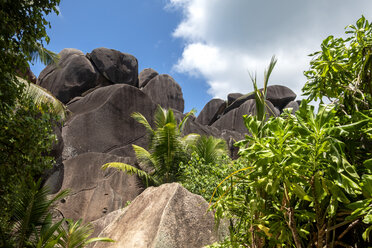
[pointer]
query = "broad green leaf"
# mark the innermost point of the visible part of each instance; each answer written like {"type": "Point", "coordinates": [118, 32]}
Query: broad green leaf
{"type": "Point", "coordinates": [300, 192]}
{"type": "Point", "coordinates": [366, 183]}
{"type": "Point", "coordinates": [368, 164]}
{"type": "Point", "coordinates": [366, 233]}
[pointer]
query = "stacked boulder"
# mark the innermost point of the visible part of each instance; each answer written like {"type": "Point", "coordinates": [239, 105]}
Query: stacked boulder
{"type": "Point", "coordinates": [228, 115]}
{"type": "Point", "coordinates": [102, 89]}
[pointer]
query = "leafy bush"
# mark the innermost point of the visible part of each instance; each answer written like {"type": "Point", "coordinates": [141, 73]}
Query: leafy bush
{"type": "Point", "coordinates": [307, 179]}
{"type": "Point", "coordinates": [202, 178]}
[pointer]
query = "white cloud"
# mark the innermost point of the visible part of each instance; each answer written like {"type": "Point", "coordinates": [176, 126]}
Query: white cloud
{"type": "Point", "coordinates": [224, 39]}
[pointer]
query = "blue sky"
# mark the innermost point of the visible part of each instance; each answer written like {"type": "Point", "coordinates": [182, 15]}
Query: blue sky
{"type": "Point", "coordinates": [207, 46]}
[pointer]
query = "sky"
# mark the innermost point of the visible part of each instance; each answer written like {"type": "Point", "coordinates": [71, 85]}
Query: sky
{"type": "Point", "coordinates": [208, 46]}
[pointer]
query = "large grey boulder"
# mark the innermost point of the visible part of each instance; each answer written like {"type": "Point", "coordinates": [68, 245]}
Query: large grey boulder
{"type": "Point", "coordinates": [72, 76]}
{"type": "Point", "coordinates": [162, 217]}
{"type": "Point", "coordinates": [278, 95]}
{"type": "Point", "coordinates": [233, 120]}
{"type": "Point", "coordinates": [95, 192]}
{"type": "Point", "coordinates": [232, 97]}
{"type": "Point", "coordinates": [102, 121]}
{"type": "Point", "coordinates": [145, 76]}
{"type": "Point", "coordinates": [166, 92]}
{"type": "Point", "coordinates": [115, 66]}
{"type": "Point", "coordinates": [238, 102]}
{"type": "Point", "coordinates": [211, 111]}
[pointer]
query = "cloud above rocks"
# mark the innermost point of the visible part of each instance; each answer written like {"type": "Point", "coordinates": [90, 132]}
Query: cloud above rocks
{"type": "Point", "coordinates": [224, 40]}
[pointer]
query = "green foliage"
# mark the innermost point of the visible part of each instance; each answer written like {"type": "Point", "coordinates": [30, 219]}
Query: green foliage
{"type": "Point", "coordinates": [31, 221]}
{"type": "Point", "coordinates": [32, 225]}
{"type": "Point", "coordinates": [77, 235]}
{"type": "Point", "coordinates": [22, 34]}
{"type": "Point", "coordinates": [306, 178]}
{"type": "Point", "coordinates": [167, 149]}
{"type": "Point", "coordinates": [260, 96]}
{"type": "Point", "coordinates": [26, 137]}
{"type": "Point", "coordinates": [201, 177]}
{"type": "Point", "coordinates": [209, 148]}
{"type": "Point", "coordinates": [297, 172]}
{"type": "Point", "coordinates": [41, 96]}
{"type": "Point", "coordinates": [341, 71]}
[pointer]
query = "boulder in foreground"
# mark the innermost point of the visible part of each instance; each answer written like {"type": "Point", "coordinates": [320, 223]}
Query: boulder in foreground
{"type": "Point", "coordinates": [162, 217]}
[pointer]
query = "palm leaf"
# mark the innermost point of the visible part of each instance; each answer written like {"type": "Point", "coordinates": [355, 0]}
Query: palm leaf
{"type": "Point", "coordinates": [38, 52]}
{"type": "Point", "coordinates": [31, 213]}
{"type": "Point", "coordinates": [210, 148]}
{"type": "Point", "coordinates": [131, 170]}
{"type": "Point", "coordinates": [184, 120]}
{"type": "Point", "coordinates": [143, 156]}
{"type": "Point", "coordinates": [160, 117]}
{"type": "Point", "coordinates": [142, 120]}
{"type": "Point", "coordinates": [77, 235]}
{"type": "Point", "coordinates": [41, 96]}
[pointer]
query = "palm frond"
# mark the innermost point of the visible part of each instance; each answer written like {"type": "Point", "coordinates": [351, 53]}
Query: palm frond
{"type": "Point", "coordinates": [143, 156]}
{"type": "Point", "coordinates": [31, 213]}
{"type": "Point", "coordinates": [40, 96]}
{"type": "Point", "coordinates": [77, 235]}
{"type": "Point", "coordinates": [184, 120]}
{"type": "Point", "coordinates": [210, 148]}
{"type": "Point", "coordinates": [38, 52]}
{"type": "Point", "coordinates": [160, 116]}
{"type": "Point", "coordinates": [142, 120]}
{"type": "Point", "coordinates": [131, 170]}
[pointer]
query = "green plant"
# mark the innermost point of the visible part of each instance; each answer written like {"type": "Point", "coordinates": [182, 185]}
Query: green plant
{"type": "Point", "coordinates": [167, 148]}
{"type": "Point", "coordinates": [76, 235]}
{"type": "Point", "coordinates": [31, 221]}
{"type": "Point", "coordinates": [307, 177]}
{"type": "Point", "coordinates": [200, 177]}
{"type": "Point", "coordinates": [32, 225]}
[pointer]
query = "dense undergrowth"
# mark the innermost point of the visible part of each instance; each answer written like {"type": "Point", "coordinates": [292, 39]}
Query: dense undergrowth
{"type": "Point", "coordinates": [307, 178]}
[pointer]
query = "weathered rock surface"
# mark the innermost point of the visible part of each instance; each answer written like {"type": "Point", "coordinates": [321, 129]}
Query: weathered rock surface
{"type": "Point", "coordinates": [162, 217]}
{"type": "Point", "coordinates": [102, 90]}
{"type": "Point", "coordinates": [233, 120]}
{"type": "Point", "coordinates": [145, 76]}
{"type": "Point", "coordinates": [232, 97]}
{"type": "Point", "coordinates": [115, 66]}
{"type": "Point", "coordinates": [102, 120]}
{"type": "Point", "coordinates": [280, 95]}
{"type": "Point", "coordinates": [95, 192]}
{"type": "Point", "coordinates": [211, 110]}
{"type": "Point", "coordinates": [239, 101]}
{"type": "Point", "coordinates": [166, 92]}
{"type": "Point", "coordinates": [73, 75]}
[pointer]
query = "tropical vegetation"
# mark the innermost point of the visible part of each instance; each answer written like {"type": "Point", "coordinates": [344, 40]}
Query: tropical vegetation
{"type": "Point", "coordinates": [306, 179]}
{"type": "Point", "coordinates": [168, 148]}
{"type": "Point", "coordinates": [27, 113]}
